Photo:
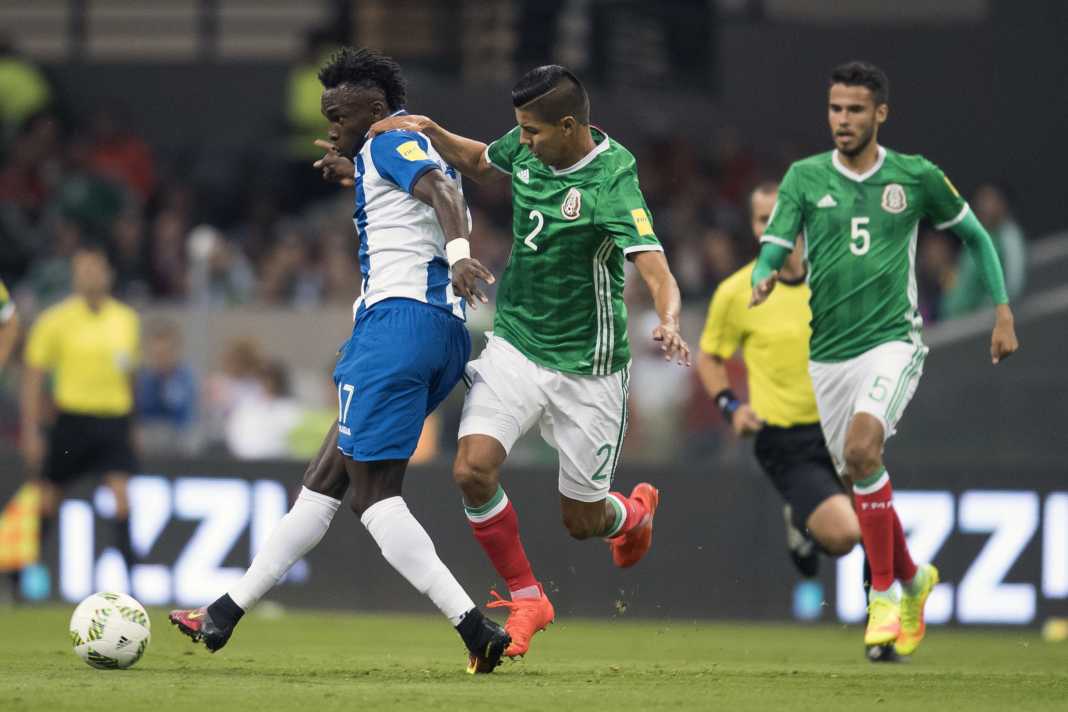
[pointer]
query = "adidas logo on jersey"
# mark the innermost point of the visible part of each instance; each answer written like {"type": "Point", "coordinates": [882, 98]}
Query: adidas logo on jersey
{"type": "Point", "coordinates": [827, 202]}
{"type": "Point", "coordinates": [523, 174]}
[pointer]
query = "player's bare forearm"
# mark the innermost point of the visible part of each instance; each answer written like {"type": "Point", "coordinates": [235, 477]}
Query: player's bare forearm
{"type": "Point", "coordinates": [713, 374]}
{"type": "Point", "coordinates": [9, 333]}
{"type": "Point", "coordinates": [440, 193]}
{"type": "Point", "coordinates": [31, 439]}
{"type": "Point", "coordinates": [653, 267]}
{"type": "Point", "coordinates": [30, 398]}
{"type": "Point", "coordinates": [1003, 341]}
{"type": "Point", "coordinates": [464, 154]}
{"type": "Point", "coordinates": [434, 189]}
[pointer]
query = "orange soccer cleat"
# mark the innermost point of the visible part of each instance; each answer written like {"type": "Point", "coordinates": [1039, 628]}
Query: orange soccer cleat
{"type": "Point", "coordinates": [526, 617]}
{"type": "Point", "coordinates": [629, 548]}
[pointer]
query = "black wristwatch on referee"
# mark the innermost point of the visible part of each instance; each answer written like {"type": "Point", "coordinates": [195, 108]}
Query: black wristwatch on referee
{"type": "Point", "coordinates": [727, 403]}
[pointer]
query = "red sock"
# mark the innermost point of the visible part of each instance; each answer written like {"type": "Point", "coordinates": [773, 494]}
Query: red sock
{"type": "Point", "coordinates": [904, 568]}
{"type": "Point", "coordinates": [633, 512]}
{"type": "Point", "coordinates": [876, 514]}
{"type": "Point", "coordinates": [496, 526]}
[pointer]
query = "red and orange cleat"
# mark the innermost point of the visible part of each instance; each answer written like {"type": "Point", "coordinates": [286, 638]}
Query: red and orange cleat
{"type": "Point", "coordinates": [526, 617]}
{"type": "Point", "coordinates": [629, 548]}
{"type": "Point", "coordinates": [200, 628]}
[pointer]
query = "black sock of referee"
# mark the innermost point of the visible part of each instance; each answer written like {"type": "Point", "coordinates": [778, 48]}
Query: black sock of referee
{"type": "Point", "coordinates": [224, 612]}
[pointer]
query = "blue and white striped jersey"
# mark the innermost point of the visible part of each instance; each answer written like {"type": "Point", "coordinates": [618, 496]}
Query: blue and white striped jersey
{"type": "Point", "coordinates": [402, 246]}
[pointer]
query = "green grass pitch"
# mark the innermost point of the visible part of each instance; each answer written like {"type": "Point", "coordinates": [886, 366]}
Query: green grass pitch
{"type": "Point", "coordinates": [330, 661]}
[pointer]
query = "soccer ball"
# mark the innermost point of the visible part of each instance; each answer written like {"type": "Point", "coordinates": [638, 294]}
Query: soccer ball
{"type": "Point", "coordinates": [110, 631]}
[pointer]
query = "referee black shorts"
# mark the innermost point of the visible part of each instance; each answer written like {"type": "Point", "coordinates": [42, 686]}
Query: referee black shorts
{"type": "Point", "coordinates": [81, 445]}
{"type": "Point", "coordinates": [798, 464]}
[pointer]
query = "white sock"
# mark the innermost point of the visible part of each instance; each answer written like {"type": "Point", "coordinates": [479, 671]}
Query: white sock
{"type": "Point", "coordinates": [408, 549]}
{"type": "Point", "coordinates": [295, 535]}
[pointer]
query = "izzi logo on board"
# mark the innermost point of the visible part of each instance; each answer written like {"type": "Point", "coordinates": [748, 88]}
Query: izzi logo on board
{"type": "Point", "coordinates": [220, 510]}
{"type": "Point", "coordinates": [1000, 584]}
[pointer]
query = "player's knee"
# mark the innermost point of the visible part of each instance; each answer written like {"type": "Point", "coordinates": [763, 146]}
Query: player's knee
{"type": "Point", "coordinates": [840, 541]}
{"type": "Point", "coordinates": [862, 460]}
{"type": "Point", "coordinates": [364, 500]}
{"type": "Point", "coordinates": [326, 478]}
{"type": "Point", "coordinates": [472, 477]}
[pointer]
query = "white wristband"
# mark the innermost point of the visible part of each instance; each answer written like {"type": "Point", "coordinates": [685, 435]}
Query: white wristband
{"type": "Point", "coordinates": [458, 249]}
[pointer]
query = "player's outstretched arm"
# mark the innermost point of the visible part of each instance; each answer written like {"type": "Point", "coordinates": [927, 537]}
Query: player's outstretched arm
{"type": "Point", "coordinates": [766, 271]}
{"type": "Point", "coordinates": [464, 154]}
{"type": "Point", "coordinates": [439, 192]}
{"type": "Point", "coordinates": [653, 267]}
{"type": "Point", "coordinates": [1003, 342]}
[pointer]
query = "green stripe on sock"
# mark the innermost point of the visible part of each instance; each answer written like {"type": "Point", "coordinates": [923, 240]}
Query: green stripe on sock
{"type": "Point", "coordinates": [621, 516]}
{"type": "Point", "coordinates": [494, 501]}
{"type": "Point", "coordinates": [868, 482]}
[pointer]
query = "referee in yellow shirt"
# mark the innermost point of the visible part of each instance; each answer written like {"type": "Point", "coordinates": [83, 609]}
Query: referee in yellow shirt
{"type": "Point", "coordinates": [782, 409]}
{"type": "Point", "coordinates": [89, 345]}
{"type": "Point", "coordinates": [9, 325]}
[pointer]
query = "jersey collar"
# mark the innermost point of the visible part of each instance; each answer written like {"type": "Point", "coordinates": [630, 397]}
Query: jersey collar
{"type": "Point", "coordinates": [859, 177]}
{"type": "Point", "coordinates": [585, 160]}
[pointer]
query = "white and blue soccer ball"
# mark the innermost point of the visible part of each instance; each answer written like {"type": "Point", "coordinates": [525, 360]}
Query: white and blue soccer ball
{"type": "Point", "coordinates": [110, 631]}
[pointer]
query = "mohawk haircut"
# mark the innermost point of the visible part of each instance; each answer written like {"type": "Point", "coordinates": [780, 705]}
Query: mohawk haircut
{"type": "Point", "coordinates": [863, 74]}
{"type": "Point", "coordinates": [552, 92]}
{"type": "Point", "coordinates": [366, 69]}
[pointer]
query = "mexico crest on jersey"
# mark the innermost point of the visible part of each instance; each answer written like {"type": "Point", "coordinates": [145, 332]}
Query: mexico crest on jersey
{"type": "Point", "coordinates": [572, 205]}
{"type": "Point", "coordinates": [894, 200]}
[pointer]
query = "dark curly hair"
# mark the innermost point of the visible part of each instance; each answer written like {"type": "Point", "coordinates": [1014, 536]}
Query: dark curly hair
{"type": "Point", "coordinates": [863, 74]}
{"type": "Point", "coordinates": [366, 69]}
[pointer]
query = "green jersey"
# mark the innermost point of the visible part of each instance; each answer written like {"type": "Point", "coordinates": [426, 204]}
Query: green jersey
{"type": "Point", "coordinates": [860, 244]}
{"type": "Point", "coordinates": [560, 300]}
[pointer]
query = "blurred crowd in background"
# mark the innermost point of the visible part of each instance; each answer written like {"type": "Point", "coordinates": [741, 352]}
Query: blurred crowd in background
{"type": "Point", "coordinates": [272, 234]}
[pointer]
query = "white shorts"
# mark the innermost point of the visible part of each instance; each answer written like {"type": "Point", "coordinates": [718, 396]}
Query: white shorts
{"type": "Point", "coordinates": [584, 418]}
{"type": "Point", "coordinates": [879, 382]}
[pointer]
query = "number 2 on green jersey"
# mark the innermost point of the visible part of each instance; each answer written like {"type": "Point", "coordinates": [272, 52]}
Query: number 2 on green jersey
{"type": "Point", "coordinates": [540, 219]}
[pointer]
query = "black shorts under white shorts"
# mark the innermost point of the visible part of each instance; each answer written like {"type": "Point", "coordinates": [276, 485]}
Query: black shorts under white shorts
{"type": "Point", "coordinates": [80, 445]}
{"type": "Point", "coordinates": [798, 464]}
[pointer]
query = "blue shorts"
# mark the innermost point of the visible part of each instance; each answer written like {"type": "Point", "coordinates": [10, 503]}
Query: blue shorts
{"type": "Point", "coordinates": [404, 357]}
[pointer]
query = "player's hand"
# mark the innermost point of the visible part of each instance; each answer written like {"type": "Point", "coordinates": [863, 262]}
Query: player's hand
{"type": "Point", "coordinates": [33, 449]}
{"type": "Point", "coordinates": [672, 343]}
{"type": "Point", "coordinates": [762, 289]}
{"type": "Point", "coordinates": [1003, 341]}
{"type": "Point", "coordinates": [465, 276]}
{"type": "Point", "coordinates": [404, 122]}
{"type": "Point", "coordinates": [335, 167]}
{"type": "Point", "coordinates": [745, 422]}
